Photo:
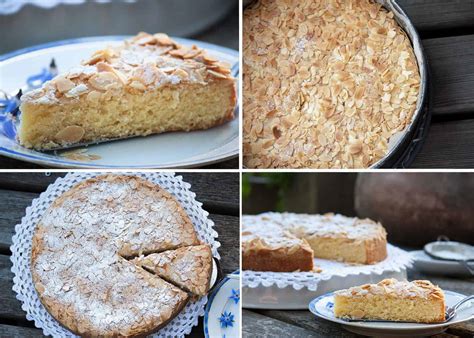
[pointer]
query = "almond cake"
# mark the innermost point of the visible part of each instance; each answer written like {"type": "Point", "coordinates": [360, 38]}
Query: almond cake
{"type": "Point", "coordinates": [417, 301]}
{"type": "Point", "coordinates": [329, 236]}
{"type": "Point", "coordinates": [148, 84]}
{"type": "Point", "coordinates": [82, 257]}
{"type": "Point", "coordinates": [327, 83]}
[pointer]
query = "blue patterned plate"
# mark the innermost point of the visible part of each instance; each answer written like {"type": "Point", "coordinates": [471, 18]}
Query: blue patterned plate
{"type": "Point", "coordinates": [323, 307]}
{"type": "Point", "coordinates": [169, 150]}
{"type": "Point", "coordinates": [222, 317]}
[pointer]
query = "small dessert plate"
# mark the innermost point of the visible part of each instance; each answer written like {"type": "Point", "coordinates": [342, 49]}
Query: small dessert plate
{"type": "Point", "coordinates": [167, 150]}
{"type": "Point", "coordinates": [323, 307]}
{"type": "Point", "coordinates": [222, 316]}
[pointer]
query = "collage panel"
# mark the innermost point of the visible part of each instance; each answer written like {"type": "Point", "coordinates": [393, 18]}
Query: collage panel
{"type": "Point", "coordinates": [122, 254]}
{"type": "Point", "coordinates": [122, 84]}
{"type": "Point", "coordinates": [357, 254]}
{"type": "Point", "coordinates": [357, 84]}
{"type": "Point", "coordinates": [150, 188]}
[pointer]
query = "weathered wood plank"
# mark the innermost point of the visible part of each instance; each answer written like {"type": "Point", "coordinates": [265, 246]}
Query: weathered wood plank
{"type": "Point", "coordinates": [31, 182]}
{"type": "Point", "coordinates": [452, 71]}
{"type": "Point", "coordinates": [11, 308]}
{"type": "Point", "coordinates": [448, 145]}
{"type": "Point", "coordinates": [18, 331]}
{"type": "Point", "coordinates": [12, 209]}
{"type": "Point", "coordinates": [219, 192]}
{"type": "Point", "coordinates": [436, 15]}
{"type": "Point", "coordinates": [229, 236]}
{"type": "Point", "coordinates": [308, 321]}
{"type": "Point", "coordinates": [9, 163]}
{"type": "Point", "coordinates": [257, 325]}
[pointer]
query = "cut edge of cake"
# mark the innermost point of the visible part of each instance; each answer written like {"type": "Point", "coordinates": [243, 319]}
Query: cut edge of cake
{"type": "Point", "coordinates": [171, 265]}
{"type": "Point", "coordinates": [417, 301]}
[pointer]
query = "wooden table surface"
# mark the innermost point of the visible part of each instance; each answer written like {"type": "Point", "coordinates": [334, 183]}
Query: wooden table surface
{"type": "Point", "coordinates": [219, 193]}
{"type": "Point", "coordinates": [224, 33]}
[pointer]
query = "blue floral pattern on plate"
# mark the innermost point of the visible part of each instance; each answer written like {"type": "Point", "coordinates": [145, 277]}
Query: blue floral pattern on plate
{"type": "Point", "coordinates": [223, 310]}
{"type": "Point", "coordinates": [9, 105]}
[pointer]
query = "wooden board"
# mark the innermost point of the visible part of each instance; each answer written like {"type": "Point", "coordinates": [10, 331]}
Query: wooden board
{"type": "Point", "coordinates": [448, 145]}
{"type": "Point", "coordinates": [439, 15]}
{"type": "Point", "coordinates": [452, 70]}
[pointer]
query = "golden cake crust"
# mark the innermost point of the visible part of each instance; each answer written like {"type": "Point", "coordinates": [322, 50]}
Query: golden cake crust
{"type": "Point", "coordinates": [80, 249]}
{"type": "Point", "coordinates": [130, 76]}
{"type": "Point", "coordinates": [327, 83]}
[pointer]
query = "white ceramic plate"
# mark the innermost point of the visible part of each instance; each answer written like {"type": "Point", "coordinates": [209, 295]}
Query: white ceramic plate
{"type": "Point", "coordinates": [222, 317]}
{"type": "Point", "coordinates": [323, 307]}
{"type": "Point", "coordinates": [169, 150]}
{"type": "Point", "coordinates": [428, 264]}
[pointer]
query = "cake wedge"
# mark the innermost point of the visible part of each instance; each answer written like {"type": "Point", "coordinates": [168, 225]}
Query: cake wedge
{"type": "Point", "coordinates": [418, 301]}
{"type": "Point", "coordinates": [146, 85]}
{"type": "Point", "coordinates": [190, 267]}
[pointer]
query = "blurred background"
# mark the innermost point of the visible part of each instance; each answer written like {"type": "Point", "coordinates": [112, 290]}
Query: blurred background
{"type": "Point", "coordinates": [23, 24]}
{"type": "Point", "coordinates": [415, 208]}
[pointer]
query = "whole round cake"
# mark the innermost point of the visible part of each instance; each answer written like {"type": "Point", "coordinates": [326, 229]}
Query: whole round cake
{"type": "Point", "coordinates": [84, 251]}
{"type": "Point", "coordinates": [327, 83]}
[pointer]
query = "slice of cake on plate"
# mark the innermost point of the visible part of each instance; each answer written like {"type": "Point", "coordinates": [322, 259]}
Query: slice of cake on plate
{"type": "Point", "coordinates": [146, 85]}
{"type": "Point", "coordinates": [189, 267]}
{"type": "Point", "coordinates": [417, 301]}
{"type": "Point", "coordinates": [268, 247]}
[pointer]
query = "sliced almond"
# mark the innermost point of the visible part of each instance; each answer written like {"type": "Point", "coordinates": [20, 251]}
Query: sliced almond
{"type": "Point", "coordinates": [146, 40]}
{"type": "Point", "coordinates": [104, 67]}
{"type": "Point", "coordinates": [137, 85]}
{"type": "Point", "coordinates": [63, 85]}
{"type": "Point", "coordinates": [182, 74]}
{"type": "Point", "coordinates": [178, 52]}
{"type": "Point", "coordinates": [101, 55]}
{"type": "Point", "coordinates": [70, 134]}
{"type": "Point", "coordinates": [93, 96]}
{"type": "Point", "coordinates": [216, 74]}
{"type": "Point", "coordinates": [77, 90]}
{"type": "Point", "coordinates": [103, 80]}
{"type": "Point", "coordinates": [163, 39]}
{"type": "Point", "coordinates": [355, 147]}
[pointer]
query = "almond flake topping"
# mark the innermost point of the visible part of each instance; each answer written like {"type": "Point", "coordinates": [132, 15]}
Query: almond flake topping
{"type": "Point", "coordinates": [144, 62]}
{"type": "Point", "coordinates": [327, 83]}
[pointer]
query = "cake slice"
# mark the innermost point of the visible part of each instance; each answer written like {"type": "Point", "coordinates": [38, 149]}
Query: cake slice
{"type": "Point", "coordinates": [189, 267]}
{"type": "Point", "coordinates": [148, 84]}
{"type": "Point", "coordinates": [268, 247]}
{"type": "Point", "coordinates": [417, 301]}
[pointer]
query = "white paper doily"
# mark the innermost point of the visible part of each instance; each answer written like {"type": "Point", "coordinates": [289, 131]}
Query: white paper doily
{"type": "Point", "coordinates": [396, 260]}
{"type": "Point", "coordinates": [21, 251]}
